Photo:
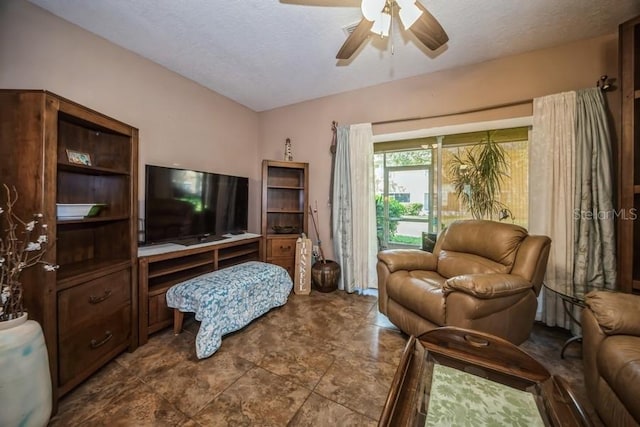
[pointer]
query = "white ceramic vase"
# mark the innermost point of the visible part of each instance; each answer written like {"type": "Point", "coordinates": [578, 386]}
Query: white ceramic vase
{"type": "Point", "coordinates": [25, 384]}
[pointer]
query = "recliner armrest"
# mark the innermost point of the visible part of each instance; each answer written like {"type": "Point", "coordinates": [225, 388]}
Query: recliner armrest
{"type": "Point", "coordinates": [408, 259]}
{"type": "Point", "coordinates": [487, 286]}
{"type": "Point", "coordinates": [617, 313]}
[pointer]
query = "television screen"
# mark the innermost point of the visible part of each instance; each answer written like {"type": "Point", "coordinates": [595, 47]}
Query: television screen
{"type": "Point", "coordinates": [185, 205]}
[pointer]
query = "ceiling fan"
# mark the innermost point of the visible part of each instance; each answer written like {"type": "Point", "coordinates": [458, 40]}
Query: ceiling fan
{"type": "Point", "coordinates": [377, 19]}
{"type": "Point", "coordinates": [377, 16]}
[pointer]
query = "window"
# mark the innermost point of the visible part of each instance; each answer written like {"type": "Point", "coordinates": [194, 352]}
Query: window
{"type": "Point", "coordinates": [401, 197]}
{"type": "Point", "coordinates": [416, 185]}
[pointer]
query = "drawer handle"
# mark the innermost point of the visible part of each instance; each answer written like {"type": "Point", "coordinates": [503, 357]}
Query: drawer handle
{"type": "Point", "coordinates": [96, 344]}
{"type": "Point", "coordinates": [96, 300]}
{"type": "Point", "coordinates": [285, 247]}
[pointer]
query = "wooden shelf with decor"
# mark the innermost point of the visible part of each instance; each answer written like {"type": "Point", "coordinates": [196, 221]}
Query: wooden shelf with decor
{"type": "Point", "coordinates": [629, 159]}
{"type": "Point", "coordinates": [285, 200]}
{"type": "Point", "coordinates": [55, 151]}
{"type": "Point", "coordinates": [162, 266]}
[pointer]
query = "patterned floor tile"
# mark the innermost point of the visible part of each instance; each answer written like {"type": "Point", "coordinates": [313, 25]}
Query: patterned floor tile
{"type": "Point", "coordinates": [138, 407]}
{"type": "Point", "coordinates": [319, 411]}
{"type": "Point", "coordinates": [360, 385]}
{"type": "Point", "coordinates": [192, 384]}
{"type": "Point", "coordinates": [94, 395]}
{"type": "Point", "coordinates": [257, 398]}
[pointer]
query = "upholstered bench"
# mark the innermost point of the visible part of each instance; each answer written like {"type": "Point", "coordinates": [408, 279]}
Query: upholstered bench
{"type": "Point", "coordinates": [227, 300]}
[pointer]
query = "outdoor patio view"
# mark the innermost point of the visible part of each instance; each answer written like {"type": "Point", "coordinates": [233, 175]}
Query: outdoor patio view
{"type": "Point", "coordinates": [424, 184]}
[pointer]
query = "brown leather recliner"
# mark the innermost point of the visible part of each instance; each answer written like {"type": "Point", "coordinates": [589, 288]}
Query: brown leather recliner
{"type": "Point", "coordinates": [482, 275]}
{"type": "Point", "coordinates": [611, 356]}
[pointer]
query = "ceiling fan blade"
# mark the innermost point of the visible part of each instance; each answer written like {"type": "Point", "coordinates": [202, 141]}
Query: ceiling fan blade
{"type": "Point", "coordinates": [355, 39]}
{"type": "Point", "coordinates": [428, 30]}
{"type": "Point", "coordinates": [328, 3]}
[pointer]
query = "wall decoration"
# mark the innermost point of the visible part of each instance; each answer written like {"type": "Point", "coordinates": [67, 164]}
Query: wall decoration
{"type": "Point", "coordinates": [288, 155]}
{"type": "Point", "coordinates": [78, 158]}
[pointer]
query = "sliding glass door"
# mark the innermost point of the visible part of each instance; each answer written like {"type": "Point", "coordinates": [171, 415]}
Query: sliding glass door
{"type": "Point", "coordinates": [416, 197]}
{"type": "Point", "coordinates": [405, 197]}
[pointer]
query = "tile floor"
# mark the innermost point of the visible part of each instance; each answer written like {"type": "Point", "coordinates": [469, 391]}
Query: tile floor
{"type": "Point", "coordinates": [320, 360]}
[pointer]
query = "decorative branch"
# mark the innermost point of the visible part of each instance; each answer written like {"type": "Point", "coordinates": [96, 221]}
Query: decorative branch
{"type": "Point", "coordinates": [18, 254]}
{"type": "Point", "coordinates": [332, 149]}
{"type": "Point", "coordinates": [315, 227]}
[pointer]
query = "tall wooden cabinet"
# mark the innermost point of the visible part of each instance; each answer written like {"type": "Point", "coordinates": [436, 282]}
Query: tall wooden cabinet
{"type": "Point", "coordinates": [629, 158]}
{"type": "Point", "coordinates": [86, 308]}
{"type": "Point", "coordinates": [285, 201]}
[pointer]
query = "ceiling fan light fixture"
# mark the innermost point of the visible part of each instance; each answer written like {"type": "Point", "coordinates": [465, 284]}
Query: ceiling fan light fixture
{"type": "Point", "coordinates": [378, 18]}
{"type": "Point", "coordinates": [409, 13]}
{"type": "Point", "coordinates": [371, 9]}
{"type": "Point", "coordinates": [382, 24]}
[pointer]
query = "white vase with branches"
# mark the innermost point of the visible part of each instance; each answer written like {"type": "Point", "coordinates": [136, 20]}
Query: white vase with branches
{"type": "Point", "coordinates": [25, 383]}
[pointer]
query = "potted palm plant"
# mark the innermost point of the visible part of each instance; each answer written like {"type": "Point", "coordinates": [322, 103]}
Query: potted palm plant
{"type": "Point", "coordinates": [25, 383]}
{"type": "Point", "coordinates": [477, 175]}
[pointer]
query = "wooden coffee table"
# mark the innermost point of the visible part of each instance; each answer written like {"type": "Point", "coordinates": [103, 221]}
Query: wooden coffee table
{"type": "Point", "coordinates": [451, 376]}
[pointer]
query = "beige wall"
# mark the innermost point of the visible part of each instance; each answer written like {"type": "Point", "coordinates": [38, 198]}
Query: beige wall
{"type": "Point", "coordinates": [181, 123]}
{"type": "Point", "coordinates": [186, 124]}
{"type": "Point", "coordinates": [568, 67]}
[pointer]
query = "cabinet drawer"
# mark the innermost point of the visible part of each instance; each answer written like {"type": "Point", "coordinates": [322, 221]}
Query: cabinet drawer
{"type": "Point", "coordinates": [97, 298]}
{"type": "Point", "coordinates": [281, 247]}
{"type": "Point", "coordinates": [94, 341]}
{"type": "Point", "coordinates": [286, 263]}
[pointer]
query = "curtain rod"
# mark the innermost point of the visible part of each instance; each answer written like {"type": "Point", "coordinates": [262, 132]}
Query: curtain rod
{"type": "Point", "coordinates": [604, 84]}
{"type": "Point", "coordinates": [473, 110]}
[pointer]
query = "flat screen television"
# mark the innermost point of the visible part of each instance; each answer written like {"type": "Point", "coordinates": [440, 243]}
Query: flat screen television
{"type": "Point", "coordinates": [187, 206]}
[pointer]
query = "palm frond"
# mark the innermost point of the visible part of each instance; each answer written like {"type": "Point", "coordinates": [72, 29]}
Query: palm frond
{"type": "Point", "coordinates": [477, 176]}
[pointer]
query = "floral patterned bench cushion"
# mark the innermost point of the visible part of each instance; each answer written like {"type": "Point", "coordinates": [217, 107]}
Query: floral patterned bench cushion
{"type": "Point", "coordinates": [229, 299]}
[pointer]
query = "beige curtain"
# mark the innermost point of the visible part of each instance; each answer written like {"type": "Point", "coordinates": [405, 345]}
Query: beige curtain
{"type": "Point", "coordinates": [551, 193]}
{"type": "Point", "coordinates": [354, 216]}
{"type": "Point", "coordinates": [364, 209]}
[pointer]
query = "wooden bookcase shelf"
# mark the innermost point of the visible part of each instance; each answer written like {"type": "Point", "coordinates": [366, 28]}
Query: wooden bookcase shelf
{"type": "Point", "coordinates": [93, 219]}
{"type": "Point", "coordinates": [178, 265]}
{"type": "Point", "coordinates": [285, 200]}
{"type": "Point", "coordinates": [96, 256]}
{"type": "Point", "coordinates": [231, 255]}
{"type": "Point", "coordinates": [89, 170]}
{"type": "Point", "coordinates": [162, 266]}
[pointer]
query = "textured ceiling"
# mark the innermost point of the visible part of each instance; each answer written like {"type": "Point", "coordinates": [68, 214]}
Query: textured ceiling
{"type": "Point", "coordinates": [268, 53]}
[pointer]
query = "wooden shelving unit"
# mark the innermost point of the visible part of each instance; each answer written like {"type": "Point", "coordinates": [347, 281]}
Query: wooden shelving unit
{"type": "Point", "coordinates": [285, 200]}
{"type": "Point", "coordinates": [629, 158]}
{"type": "Point", "coordinates": [87, 307]}
{"type": "Point", "coordinates": [163, 266]}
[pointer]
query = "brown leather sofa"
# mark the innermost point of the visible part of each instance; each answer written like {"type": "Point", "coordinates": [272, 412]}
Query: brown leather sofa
{"type": "Point", "coordinates": [482, 275]}
{"type": "Point", "coordinates": [611, 356]}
